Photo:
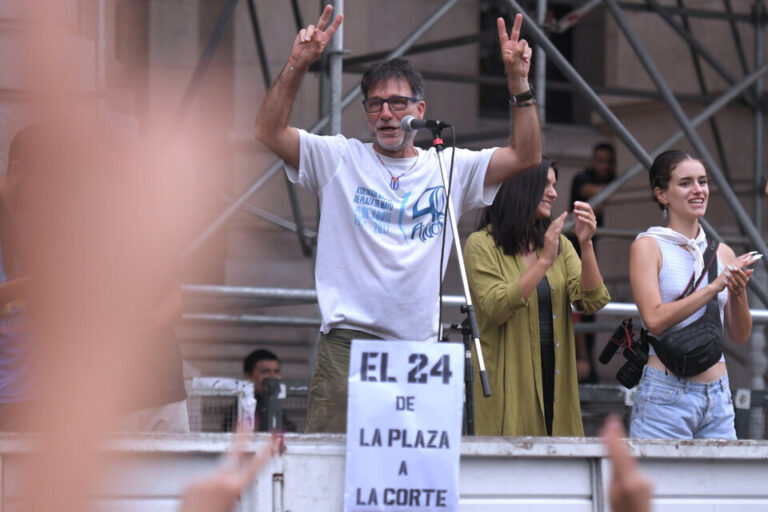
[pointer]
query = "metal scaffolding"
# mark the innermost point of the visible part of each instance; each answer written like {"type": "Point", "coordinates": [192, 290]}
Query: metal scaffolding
{"type": "Point", "coordinates": [747, 88]}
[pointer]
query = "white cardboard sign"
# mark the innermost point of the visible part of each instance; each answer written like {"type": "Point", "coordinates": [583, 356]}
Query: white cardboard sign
{"type": "Point", "coordinates": [403, 426]}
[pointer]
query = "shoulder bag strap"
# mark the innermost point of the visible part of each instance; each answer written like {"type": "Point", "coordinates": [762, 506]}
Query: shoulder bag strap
{"type": "Point", "coordinates": [710, 256]}
{"type": "Point", "coordinates": [712, 307]}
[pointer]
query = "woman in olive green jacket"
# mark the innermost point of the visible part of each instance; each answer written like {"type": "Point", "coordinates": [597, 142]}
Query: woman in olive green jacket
{"type": "Point", "coordinates": [524, 275]}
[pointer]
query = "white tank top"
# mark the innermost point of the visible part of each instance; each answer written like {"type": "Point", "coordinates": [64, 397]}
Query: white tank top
{"type": "Point", "coordinates": [675, 274]}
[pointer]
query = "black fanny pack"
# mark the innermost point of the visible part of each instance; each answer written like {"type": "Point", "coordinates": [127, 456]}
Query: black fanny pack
{"type": "Point", "coordinates": [696, 347]}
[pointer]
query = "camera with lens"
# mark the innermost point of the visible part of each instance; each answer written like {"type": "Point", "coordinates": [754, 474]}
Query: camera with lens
{"type": "Point", "coordinates": [634, 350]}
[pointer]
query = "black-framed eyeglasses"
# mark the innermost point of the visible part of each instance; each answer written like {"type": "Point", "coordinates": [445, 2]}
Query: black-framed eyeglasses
{"type": "Point", "coordinates": [396, 103]}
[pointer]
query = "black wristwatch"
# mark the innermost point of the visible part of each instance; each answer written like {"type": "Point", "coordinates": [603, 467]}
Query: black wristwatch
{"type": "Point", "coordinates": [516, 99]}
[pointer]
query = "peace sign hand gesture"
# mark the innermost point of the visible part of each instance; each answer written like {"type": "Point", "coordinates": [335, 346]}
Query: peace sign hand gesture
{"type": "Point", "coordinates": [516, 55]}
{"type": "Point", "coordinates": [310, 41]}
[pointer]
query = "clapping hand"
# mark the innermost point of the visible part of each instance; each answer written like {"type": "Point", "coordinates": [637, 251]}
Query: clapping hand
{"type": "Point", "coordinates": [737, 274]}
{"type": "Point", "coordinates": [552, 239]}
{"type": "Point", "coordinates": [585, 221]}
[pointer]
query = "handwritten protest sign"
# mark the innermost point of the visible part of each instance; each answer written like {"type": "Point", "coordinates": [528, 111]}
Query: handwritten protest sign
{"type": "Point", "coordinates": [403, 426]}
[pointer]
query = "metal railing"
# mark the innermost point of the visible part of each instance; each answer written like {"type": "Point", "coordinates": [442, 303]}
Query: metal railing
{"type": "Point", "coordinates": [597, 402]}
{"type": "Point", "coordinates": [266, 297]}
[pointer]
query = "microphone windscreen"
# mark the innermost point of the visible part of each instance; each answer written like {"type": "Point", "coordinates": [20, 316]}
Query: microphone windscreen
{"type": "Point", "coordinates": [405, 124]}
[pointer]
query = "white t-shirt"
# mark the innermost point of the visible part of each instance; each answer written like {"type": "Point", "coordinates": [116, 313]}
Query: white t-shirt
{"type": "Point", "coordinates": [379, 249]}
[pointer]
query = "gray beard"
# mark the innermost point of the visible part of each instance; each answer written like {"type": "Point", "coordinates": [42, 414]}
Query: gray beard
{"type": "Point", "coordinates": [405, 142]}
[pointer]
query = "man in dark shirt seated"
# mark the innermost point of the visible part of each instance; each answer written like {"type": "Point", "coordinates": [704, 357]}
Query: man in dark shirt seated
{"type": "Point", "coordinates": [593, 179]}
{"type": "Point", "coordinates": [259, 365]}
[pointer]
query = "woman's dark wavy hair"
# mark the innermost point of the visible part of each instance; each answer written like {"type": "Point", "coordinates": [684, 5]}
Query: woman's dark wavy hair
{"type": "Point", "coordinates": [661, 169]}
{"type": "Point", "coordinates": [511, 216]}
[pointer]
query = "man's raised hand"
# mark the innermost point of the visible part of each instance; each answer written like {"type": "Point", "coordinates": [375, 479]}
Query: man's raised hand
{"type": "Point", "coordinates": [310, 41]}
{"type": "Point", "coordinates": [516, 55]}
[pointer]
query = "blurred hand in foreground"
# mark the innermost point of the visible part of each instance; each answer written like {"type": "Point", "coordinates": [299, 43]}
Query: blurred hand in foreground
{"type": "Point", "coordinates": [219, 491]}
{"type": "Point", "coordinates": [630, 490]}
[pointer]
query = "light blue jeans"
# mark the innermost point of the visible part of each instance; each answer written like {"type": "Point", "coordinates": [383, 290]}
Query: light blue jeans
{"type": "Point", "coordinates": [668, 407]}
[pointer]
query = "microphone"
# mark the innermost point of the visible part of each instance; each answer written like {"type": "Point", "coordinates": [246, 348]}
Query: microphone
{"type": "Point", "coordinates": [411, 124]}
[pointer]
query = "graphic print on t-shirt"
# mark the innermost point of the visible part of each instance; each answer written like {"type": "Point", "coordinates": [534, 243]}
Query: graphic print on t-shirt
{"type": "Point", "coordinates": [372, 211]}
{"type": "Point", "coordinates": [429, 211]}
{"type": "Point", "coordinates": [422, 221]}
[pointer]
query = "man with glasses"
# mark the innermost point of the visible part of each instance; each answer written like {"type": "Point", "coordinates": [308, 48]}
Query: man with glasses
{"type": "Point", "coordinates": [383, 204]}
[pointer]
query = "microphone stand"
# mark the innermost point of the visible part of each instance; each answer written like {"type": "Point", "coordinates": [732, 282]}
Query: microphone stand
{"type": "Point", "coordinates": [469, 375]}
{"type": "Point", "coordinates": [467, 308]}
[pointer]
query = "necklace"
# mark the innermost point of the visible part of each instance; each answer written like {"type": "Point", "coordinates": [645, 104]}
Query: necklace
{"type": "Point", "coordinates": [394, 182]}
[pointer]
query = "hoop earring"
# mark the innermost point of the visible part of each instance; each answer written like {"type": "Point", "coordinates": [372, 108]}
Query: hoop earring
{"type": "Point", "coordinates": [664, 212]}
